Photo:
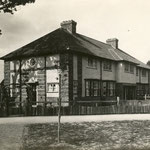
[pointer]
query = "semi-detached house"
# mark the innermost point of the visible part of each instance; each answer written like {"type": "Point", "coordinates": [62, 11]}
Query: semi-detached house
{"type": "Point", "coordinates": [90, 70]}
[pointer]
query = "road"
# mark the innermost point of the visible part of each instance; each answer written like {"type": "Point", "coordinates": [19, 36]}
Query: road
{"type": "Point", "coordinates": [93, 118]}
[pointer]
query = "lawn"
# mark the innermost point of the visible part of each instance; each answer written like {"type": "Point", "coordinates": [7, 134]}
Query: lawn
{"type": "Point", "coordinates": [106, 135]}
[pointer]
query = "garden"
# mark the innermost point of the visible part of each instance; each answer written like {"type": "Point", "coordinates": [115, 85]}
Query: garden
{"type": "Point", "coordinates": [105, 135]}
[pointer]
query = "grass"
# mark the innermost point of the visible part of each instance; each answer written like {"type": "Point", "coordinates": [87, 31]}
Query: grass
{"type": "Point", "coordinates": [110, 135]}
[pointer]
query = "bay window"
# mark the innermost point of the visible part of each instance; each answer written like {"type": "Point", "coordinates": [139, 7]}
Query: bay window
{"type": "Point", "coordinates": [108, 88]}
{"type": "Point", "coordinates": [92, 87]}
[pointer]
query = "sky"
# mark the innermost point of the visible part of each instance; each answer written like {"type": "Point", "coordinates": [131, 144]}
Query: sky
{"type": "Point", "coordinates": [126, 20]}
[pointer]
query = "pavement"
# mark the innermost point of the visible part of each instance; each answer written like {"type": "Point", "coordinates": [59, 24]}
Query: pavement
{"type": "Point", "coordinates": [71, 119]}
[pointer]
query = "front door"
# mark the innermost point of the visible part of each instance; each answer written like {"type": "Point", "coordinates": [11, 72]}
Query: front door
{"type": "Point", "coordinates": [129, 92]}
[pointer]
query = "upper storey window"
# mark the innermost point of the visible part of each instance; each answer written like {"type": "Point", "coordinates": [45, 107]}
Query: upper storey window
{"type": "Point", "coordinates": [137, 71]}
{"type": "Point", "coordinates": [129, 68]}
{"type": "Point", "coordinates": [107, 66]}
{"type": "Point", "coordinates": [92, 63]}
{"type": "Point", "coordinates": [143, 73]}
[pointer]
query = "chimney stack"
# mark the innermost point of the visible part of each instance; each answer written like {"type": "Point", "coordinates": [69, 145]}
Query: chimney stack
{"type": "Point", "coordinates": [113, 42]}
{"type": "Point", "coordinates": [69, 25]}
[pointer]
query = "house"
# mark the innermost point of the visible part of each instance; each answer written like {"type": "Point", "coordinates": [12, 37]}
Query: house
{"type": "Point", "coordinates": [75, 66]}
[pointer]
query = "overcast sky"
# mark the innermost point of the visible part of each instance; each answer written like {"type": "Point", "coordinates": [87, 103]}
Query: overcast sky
{"type": "Point", "coordinates": [127, 20]}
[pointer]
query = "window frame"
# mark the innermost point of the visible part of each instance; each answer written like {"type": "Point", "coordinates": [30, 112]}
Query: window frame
{"type": "Point", "coordinates": [107, 65]}
{"type": "Point", "coordinates": [126, 67]}
{"type": "Point", "coordinates": [91, 63]}
{"type": "Point", "coordinates": [142, 89]}
{"type": "Point", "coordinates": [137, 71]}
{"type": "Point", "coordinates": [92, 88]}
{"type": "Point", "coordinates": [129, 68]}
{"type": "Point", "coordinates": [56, 83]}
{"type": "Point", "coordinates": [144, 72]}
{"type": "Point", "coordinates": [109, 90]}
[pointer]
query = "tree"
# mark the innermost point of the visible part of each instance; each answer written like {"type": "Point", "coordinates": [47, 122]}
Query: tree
{"type": "Point", "coordinates": [148, 63]}
{"type": "Point", "coordinates": [9, 6]}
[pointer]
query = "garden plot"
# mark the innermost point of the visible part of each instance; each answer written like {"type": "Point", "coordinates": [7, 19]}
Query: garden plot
{"type": "Point", "coordinates": [105, 135]}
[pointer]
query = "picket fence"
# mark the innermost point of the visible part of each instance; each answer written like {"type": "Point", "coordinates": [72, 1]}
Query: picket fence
{"type": "Point", "coordinates": [124, 107]}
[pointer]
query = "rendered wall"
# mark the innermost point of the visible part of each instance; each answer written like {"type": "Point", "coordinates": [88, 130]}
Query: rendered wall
{"type": "Point", "coordinates": [109, 75]}
{"type": "Point", "coordinates": [89, 73]}
{"type": "Point", "coordinates": [124, 77]}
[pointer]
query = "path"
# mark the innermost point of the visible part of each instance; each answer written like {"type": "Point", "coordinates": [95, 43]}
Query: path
{"type": "Point", "coordinates": [95, 118]}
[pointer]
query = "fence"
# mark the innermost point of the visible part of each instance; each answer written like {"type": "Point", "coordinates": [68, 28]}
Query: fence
{"type": "Point", "coordinates": [78, 108]}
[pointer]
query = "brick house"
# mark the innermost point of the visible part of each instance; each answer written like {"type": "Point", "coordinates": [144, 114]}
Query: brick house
{"type": "Point", "coordinates": [90, 70]}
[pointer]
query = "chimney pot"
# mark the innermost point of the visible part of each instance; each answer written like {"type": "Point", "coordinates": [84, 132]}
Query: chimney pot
{"type": "Point", "coordinates": [113, 42]}
{"type": "Point", "coordinates": [69, 25]}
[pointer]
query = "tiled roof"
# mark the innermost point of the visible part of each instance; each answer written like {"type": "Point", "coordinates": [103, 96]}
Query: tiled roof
{"type": "Point", "coordinates": [60, 41]}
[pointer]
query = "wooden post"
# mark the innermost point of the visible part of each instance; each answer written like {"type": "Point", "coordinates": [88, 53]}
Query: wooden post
{"type": "Point", "coordinates": [59, 108]}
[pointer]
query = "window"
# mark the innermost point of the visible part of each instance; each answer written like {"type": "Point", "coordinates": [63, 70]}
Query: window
{"type": "Point", "coordinates": [126, 68]}
{"type": "Point", "coordinates": [108, 88]}
{"type": "Point", "coordinates": [95, 88]}
{"type": "Point", "coordinates": [92, 62]}
{"type": "Point", "coordinates": [92, 87]}
{"type": "Point", "coordinates": [104, 88]}
{"type": "Point", "coordinates": [87, 86]}
{"type": "Point", "coordinates": [52, 87]}
{"type": "Point", "coordinates": [141, 90]}
{"type": "Point", "coordinates": [137, 71]}
{"type": "Point", "coordinates": [129, 68]}
{"type": "Point", "coordinates": [143, 73]}
{"type": "Point", "coordinates": [107, 66]}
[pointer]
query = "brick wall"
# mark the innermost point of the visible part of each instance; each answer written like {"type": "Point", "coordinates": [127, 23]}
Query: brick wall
{"type": "Point", "coordinates": [6, 73]}
{"type": "Point", "coordinates": [41, 85]}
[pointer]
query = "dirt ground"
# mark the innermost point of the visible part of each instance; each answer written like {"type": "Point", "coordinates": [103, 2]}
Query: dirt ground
{"type": "Point", "coordinates": [89, 135]}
